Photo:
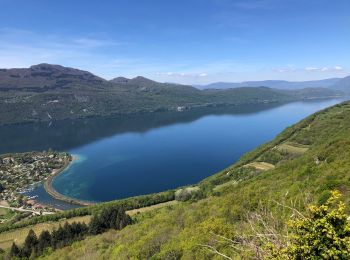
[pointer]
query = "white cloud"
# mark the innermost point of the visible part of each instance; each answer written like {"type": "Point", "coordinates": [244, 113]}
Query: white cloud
{"type": "Point", "coordinates": [182, 74]}
{"type": "Point", "coordinates": [338, 68]}
{"type": "Point", "coordinates": [324, 69]}
{"type": "Point", "coordinates": [311, 69]}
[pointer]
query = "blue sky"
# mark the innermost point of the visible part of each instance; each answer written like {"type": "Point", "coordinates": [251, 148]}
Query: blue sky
{"type": "Point", "coordinates": [183, 41]}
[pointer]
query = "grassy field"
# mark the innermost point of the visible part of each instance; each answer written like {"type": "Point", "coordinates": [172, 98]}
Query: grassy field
{"type": "Point", "coordinates": [18, 235]}
{"type": "Point", "coordinates": [292, 148]}
{"type": "Point", "coordinates": [6, 214]}
{"type": "Point", "coordinates": [145, 209]}
{"type": "Point", "coordinates": [262, 166]}
{"type": "Point", "coordinates": [224, 185]}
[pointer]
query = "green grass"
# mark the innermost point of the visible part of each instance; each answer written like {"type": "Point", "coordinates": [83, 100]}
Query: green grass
{"type": "Point", "coordinates": [292, 148]}
{"type": "Point", "coordinates": [262, 166]}
{"type": "Point", "coordinates": [224, 185]}
{"type": "Point", "coordinates": [6, 215]}
{"type": "Point", "coordinates": [149, 208]}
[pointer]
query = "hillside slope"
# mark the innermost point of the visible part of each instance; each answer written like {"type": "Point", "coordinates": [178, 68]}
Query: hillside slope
{"type": "Point", "coordinates": [301, 165]}
{"type": "Point", "coordinates": [47, 92]}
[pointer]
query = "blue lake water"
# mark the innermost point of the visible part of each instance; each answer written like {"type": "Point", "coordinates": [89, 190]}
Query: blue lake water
{"type": "Point", "coordinates": [129, 156]}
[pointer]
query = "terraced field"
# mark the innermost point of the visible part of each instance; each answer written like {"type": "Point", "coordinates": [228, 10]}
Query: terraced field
{"type": "Point", "coordinates": [262, 166]}
{"type": "Point", "coordinates": [292, 148]}
{"type": "Point", "coordinates": [153, 207]}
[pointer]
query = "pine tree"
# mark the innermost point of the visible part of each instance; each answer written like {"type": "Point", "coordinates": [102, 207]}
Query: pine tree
{"type": "Point", "coordinates": [54, 239]}
{"type": "Point", "coordinates": [60, 235]}
{"type": "Point", "coordinates": [2, 188]}
{"type": "Point", "coordinates": [44, 241]}
{"type": "Point", "coordinates": [95, 225]}
{"type": "Point", "coordinates": [14, 251]}
{"type": "Point", "coordinates": [30, 244]}
{"type": "Point", "coordinates": [109, 218]}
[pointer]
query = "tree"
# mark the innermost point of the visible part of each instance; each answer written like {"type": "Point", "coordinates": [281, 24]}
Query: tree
{"type": "Point", "coordinates": [30, 244]}
{"type": "Point", "coordinates": [58, 237]}
{"type": "Point", "coordinates": [44, 241]}
{"type": "Point", "coordinates": [95, 226]}
{"type": "Point", "coordinates": [113, 217]}
{"type": "Point", "coordinates": [122, 220]}
{"type": "Point", "coordinates": [14, 251]}
{"type": "Point", "coordinates": [2, 188]}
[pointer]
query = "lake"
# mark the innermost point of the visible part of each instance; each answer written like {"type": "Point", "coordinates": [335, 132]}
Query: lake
{"type": "Point", "coordinates": [141, 154]}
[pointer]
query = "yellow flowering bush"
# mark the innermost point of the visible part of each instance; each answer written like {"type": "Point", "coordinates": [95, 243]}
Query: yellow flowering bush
{"type": "Point", "coordinates": [323, 234]}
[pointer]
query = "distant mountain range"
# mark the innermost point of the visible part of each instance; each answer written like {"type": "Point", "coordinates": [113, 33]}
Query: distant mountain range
{"type": "Point", "coordinates": [342, 84]}
{"type": "Point", "coordinates": [48, 92]}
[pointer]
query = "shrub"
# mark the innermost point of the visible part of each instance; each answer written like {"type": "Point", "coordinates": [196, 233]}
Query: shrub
{"type": "Point", "coordinates": [188, 194]}
{"type": "Point", "coordinates": [323, 234]}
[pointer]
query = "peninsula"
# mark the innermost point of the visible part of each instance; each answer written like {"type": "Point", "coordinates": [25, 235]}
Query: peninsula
{"type": "Point", "coordinates": [19, 171]}
{"type": "Point", "coordinates": [59, 196]}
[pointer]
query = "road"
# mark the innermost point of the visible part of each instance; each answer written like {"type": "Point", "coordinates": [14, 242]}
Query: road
{"type": "Point", "coordinates": [27, 210]}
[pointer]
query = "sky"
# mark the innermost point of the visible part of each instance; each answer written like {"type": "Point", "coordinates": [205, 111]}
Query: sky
{"type": "Point", "coordinates": [181, 41]}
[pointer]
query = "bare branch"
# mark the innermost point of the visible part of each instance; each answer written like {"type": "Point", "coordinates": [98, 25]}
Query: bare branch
{"type": "Point", "coordinates": [214, 250]}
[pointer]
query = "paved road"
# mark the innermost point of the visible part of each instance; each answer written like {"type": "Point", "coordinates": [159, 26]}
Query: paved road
{"type": "Point", "coordinates": [27, 210]}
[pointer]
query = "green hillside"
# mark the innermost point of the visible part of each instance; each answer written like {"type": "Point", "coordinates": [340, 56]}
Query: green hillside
{"type": "Point", "coordinates": [47, 92]}
{"type": "Point", "coordinates": [307, 161]}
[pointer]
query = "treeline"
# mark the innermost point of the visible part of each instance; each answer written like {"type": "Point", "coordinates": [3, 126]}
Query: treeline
{"type": "Point", "coordinates": [109, 218]}
{"type": "Point", "coordinates": [127, 204]}
{"type": "Point", "coordinates": [35, 246]}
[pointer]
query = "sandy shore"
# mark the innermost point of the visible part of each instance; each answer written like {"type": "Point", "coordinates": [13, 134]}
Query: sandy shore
{"type": "Point", "coordinates": [51, 190]}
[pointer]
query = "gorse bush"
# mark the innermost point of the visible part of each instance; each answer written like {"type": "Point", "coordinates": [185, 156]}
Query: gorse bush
{"type": "Point", "coordinates": [323, 234]}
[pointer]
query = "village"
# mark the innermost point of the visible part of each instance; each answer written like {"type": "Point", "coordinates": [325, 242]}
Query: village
{"type": "Point", "coordinates": [20, 171]}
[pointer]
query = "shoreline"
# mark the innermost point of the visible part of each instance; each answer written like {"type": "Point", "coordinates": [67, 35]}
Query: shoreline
{"type": "Point", "coordinates": [55, 194]}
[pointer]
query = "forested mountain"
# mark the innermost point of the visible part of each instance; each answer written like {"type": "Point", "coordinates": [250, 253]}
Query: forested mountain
{"type": "Point", "coordinates": [47, 92]}
{"type": "Point", "coordinates": [234, 211]}
{"type": "Point", "coordinates": [45, 77]}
